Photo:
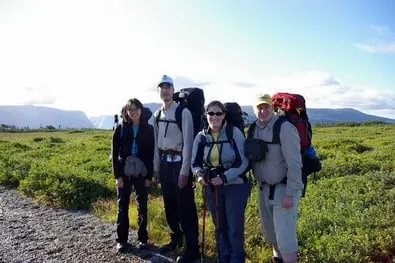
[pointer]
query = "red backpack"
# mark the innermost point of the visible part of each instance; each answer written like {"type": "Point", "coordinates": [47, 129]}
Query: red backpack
{"type": "Point", "coordinates": [293, 106]}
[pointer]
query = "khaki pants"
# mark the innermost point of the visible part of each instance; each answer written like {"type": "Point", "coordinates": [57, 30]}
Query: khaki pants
{"type": "Point", "coordinates": [278, 223]}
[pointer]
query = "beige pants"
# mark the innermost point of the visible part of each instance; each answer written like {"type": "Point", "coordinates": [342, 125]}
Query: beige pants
{"type": "Point", "coordinates": [278, 223]}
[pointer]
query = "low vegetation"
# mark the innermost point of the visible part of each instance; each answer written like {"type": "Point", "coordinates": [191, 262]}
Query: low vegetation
{"type": "Point", "coordinates": [347, 215]}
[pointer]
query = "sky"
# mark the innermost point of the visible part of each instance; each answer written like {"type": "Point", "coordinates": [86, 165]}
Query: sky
{"type": "Point", "coordinates": [93, 56]}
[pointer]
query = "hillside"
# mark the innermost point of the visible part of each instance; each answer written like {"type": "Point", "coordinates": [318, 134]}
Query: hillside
{"type": "Point", "coordinates": [333, 115]}
{"type": "Point", "coordinates": [315, 116]}
{"type": "Point", "coordinates": [35, 117]}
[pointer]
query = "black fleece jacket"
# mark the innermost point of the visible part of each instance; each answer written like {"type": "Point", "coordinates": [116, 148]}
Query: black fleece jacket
{"type": "Point", "coordinates": [122, 141]}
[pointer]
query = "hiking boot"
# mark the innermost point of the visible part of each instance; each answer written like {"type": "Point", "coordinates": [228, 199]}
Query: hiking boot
{"type": "Point", "coordinates": [170, 247]}
{"type": "Point", "coordinates": [122, 247]}
{"type": "Point", "coordinates": [188, 257]}
{"type": "Point", "coordinates": [277, 260]}
{"type": "Point", "coordinates": [142, 245]}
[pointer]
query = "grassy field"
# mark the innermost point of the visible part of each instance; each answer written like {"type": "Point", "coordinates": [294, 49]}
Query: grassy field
{"type": "Point", "coordinates": [348, 214]}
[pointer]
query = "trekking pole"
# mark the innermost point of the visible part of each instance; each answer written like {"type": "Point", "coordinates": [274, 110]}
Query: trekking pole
{"type": "Point", "coordinates": [202, 259]}
{"type": "Point", "coordinates": [216, 208]}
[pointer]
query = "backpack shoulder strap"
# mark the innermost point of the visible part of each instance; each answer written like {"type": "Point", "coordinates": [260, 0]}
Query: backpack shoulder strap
{"type": "Point", "coordinates": [229, 133]}
{"type": "Point", "coordinates": [178, 115]}
{"type": "Point", "coordinates": [238, 161]}
{"type": "Point", "coordinates": [277, 129]}
{"type": "Point", "coordinates": [198, 161]}
{"type": "Point", "coordinates": [232, 142]}
{"type": "Point", "coordinates": [250, 132]}
{"type": "Point", "coordinates": [123, 129]}
{"type": "Point", "coordinates": [157, 116]}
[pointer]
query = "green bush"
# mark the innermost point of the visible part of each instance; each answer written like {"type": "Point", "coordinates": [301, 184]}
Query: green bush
{"type": "Point", "coordinates": [71, 189]}
{"type": "Point", "coordinates": [348, 219]}
{"type": "Point", "coordinates": [56, 140]}
{"type": "Point", "coordinates": [346, 216]}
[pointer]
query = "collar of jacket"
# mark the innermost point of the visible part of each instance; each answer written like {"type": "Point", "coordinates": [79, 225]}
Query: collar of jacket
{"type": "Point", "coordinates": [173, 105]}
{"type": "Point", "coordinates": [270, 123]}
{"type": "Point", "coordinates": [208, 130]}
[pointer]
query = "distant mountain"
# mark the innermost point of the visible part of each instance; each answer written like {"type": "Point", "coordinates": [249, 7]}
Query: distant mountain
{"type": "Point", "coordinates": [315, 116]}
{"type": "Point", "coordinates": [35, 117]}
{"type": "Point", "coordinates": [343, 115]}
{"type": "Point", "coordinates": [332, 115]}
{"type": "Point", "coordinates": [107, 121]}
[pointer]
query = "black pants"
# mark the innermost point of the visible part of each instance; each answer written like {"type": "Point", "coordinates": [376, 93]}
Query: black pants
{"type": "Point", "coordinates": [123, 195]}
{"type": "Point", "coordinates": [180, 207]}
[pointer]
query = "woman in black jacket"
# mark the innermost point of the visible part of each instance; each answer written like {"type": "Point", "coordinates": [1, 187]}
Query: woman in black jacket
{"type": "Point", "coordinates": [134, 137]}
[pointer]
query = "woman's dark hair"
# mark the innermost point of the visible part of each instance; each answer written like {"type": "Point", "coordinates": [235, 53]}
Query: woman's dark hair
{"type": "Point", "coordinates": [219, 105]}
{"type": "Point", "coordinates": [138, 105]}
{"type": "Point", "coordinates": [124, 115]}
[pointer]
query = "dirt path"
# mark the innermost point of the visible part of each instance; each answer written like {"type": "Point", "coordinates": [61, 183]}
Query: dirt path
{"type": "Point", "coordinates": [33, 233]}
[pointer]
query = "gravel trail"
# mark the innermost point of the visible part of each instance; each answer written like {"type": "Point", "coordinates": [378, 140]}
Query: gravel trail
{"type": "Point", "coordinates": [31, 233]}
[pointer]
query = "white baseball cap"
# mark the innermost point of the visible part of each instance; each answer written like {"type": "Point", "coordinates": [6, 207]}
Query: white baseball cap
{"type": "Point", "coordinates": [166, 79]}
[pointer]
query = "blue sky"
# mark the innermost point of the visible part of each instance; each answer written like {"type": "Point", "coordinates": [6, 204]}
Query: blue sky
{"type": "Point", "coordinates": [287, 36]}
{"type": "Point", "coordinates": [94, 55]}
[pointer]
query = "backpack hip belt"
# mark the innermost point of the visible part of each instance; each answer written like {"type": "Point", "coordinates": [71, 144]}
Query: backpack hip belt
{"type": "Point", "coordinates": [170, 155]}
{"type": "Point", "coordinates": [272, 187]}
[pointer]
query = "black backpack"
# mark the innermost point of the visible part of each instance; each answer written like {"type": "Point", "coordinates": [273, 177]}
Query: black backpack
{"type": "Point", "coordinates": [193, 100]}
{"type": "Point", "coordinates": [234, 115]}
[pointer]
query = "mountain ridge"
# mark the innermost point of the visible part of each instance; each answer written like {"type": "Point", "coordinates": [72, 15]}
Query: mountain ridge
{"type": "Point", "coordinates": [316, 115]}
{"type": "Point", "coordinates": [38, 116]}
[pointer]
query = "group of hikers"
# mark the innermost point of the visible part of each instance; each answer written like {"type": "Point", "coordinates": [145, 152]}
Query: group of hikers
{"type": "Point", "coordinates": [169, 152]}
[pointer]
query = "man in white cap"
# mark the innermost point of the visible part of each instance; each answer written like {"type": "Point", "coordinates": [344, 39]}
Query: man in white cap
{"type": "Point", "coordinates": [279, 179]}
{"type": "Point", "coordinates": [172, 162]}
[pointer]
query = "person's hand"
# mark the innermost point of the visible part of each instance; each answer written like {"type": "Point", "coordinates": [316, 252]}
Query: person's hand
{"type": "Point", "coordinates": [201, 180]}
{"type": "Point", "coordinates": [119, 182]}
{"type": "Point", "coordinates": [288, 202]}
{"type": "Point", "coordinates": [147, 183]}
{"type": "Point", "coordinates": [182, 181]}
{"type": "Point", "coordinates": [217, 181]}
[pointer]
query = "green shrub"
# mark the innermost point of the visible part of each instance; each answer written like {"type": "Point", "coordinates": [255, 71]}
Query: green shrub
{"type": "Point", "coordinates": [71, 189]}
{"type": "Point", "coordinates": [346, 216]}
{"type": "Point", "coordinates": [348, 219]}
{"type": "Point", "coordinates": [56, 140]}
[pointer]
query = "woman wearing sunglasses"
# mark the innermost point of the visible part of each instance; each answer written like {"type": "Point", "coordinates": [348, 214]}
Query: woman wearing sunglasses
{"type": "Point", "coordinates": [219, 163]}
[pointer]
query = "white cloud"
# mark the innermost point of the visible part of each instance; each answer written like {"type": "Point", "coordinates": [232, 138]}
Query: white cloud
{"type": "Point", "coordinates": [378, 48]}
{"type": "Point", "coordinates": [382, 31]}
{"type": "Point", "coordinates": [382, 41]}
{"type": "Point", "coordinates": [320, 89]}
{"type": "Point", "coordinates": [93, 56]}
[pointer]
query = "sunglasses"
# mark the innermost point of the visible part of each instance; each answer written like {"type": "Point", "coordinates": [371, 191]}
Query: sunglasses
{"type": "Point", "coordinates": [211, 113]}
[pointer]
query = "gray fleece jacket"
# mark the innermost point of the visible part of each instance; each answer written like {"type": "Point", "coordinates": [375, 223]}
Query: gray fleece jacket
{"type": "Point", "coordinates": [227, 157]}
{"type": "Point", "coordinates": [169, 137]}
{"type": "Point", "coordinates": [281, 160]}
